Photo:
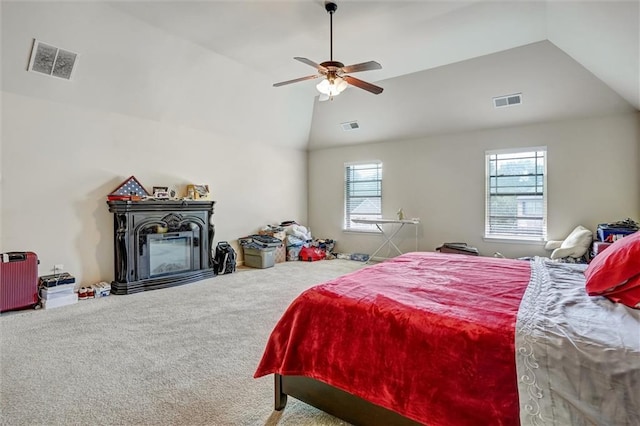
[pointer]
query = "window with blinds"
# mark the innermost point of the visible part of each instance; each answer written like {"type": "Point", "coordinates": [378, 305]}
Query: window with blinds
{"type": "Point", "coordinates": [363, 195]}
{"type": "Point", "coordinates": [516, 203]}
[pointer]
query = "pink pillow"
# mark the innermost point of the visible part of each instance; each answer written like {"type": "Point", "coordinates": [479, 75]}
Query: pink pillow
{"type": "Point", "coordinates": [614, 266]}
{"type": "Point", "coordinates": [627, 294]}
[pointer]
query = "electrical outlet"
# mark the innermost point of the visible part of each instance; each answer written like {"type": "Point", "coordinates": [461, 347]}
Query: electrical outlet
{"type": "Point", "coordinates": [58, 268]}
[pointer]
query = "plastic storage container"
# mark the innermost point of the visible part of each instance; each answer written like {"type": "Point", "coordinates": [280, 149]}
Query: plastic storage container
{"type": "Point", "coordinates": [266, 240]}
{"type": "Point", "coordinates": [259, 258]}
{"type": "Point", "coordinates": [610, 233]}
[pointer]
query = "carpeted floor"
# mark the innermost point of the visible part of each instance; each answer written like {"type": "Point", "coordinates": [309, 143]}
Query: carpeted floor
{"type": "Point", "coordinates": [177, 356]}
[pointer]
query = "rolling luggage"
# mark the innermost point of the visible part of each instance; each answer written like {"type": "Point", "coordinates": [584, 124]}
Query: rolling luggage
{"type": "Point", "coordinates": [18, 280]}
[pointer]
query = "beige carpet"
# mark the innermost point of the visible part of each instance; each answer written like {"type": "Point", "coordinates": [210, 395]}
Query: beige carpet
{"type": "Point", "coordinates": [178, 356]}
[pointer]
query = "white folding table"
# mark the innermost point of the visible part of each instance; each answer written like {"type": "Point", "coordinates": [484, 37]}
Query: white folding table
{"type": "Point", "coordinates": [388, 236]}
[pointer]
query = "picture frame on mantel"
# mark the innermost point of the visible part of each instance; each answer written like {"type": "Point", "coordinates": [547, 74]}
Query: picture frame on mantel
{"type": "Point", "coordinates": [161, 192]}
{"type": "Point", "coordinates": [198, 192]}
{"type": "Point", "coordinates": [161, 195]}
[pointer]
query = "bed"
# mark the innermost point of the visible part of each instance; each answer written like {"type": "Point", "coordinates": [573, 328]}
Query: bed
{"type": "Point", "coordinates": [445, 339]}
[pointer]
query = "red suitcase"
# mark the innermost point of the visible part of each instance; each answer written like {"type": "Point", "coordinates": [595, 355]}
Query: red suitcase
{"type": "Point", "coordinates": [18, 280]}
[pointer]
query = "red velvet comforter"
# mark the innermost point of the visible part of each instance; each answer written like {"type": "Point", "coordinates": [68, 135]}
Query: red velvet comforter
{"type": "Point", "coordinates": [428, 335]}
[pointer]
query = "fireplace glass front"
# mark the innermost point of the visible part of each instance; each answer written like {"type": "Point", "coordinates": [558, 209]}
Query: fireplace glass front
{"type": "Point", "coordinates": [170, 253]}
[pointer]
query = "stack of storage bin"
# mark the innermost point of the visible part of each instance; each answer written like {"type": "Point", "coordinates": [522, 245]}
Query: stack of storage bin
{"type": "Point", "coordinates": [259, 250]}
{"type": "Point", "coordinates": [608, 233]}
{"type": "Point", "coordinates": [277, 232]}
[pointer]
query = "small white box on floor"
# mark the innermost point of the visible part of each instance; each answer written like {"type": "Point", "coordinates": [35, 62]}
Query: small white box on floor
{"type": "Point", "coordinates": [57, 291]}
{"type": "Point", "coordinates": [56, 302]}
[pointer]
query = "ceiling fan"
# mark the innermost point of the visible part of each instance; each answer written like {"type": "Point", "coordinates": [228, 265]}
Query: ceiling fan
{"type": "Point", "coordinates": [335, 73]}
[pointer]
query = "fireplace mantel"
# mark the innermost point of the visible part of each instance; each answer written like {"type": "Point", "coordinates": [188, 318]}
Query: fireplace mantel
{"type": "Point", "coordinates": [180, 230]}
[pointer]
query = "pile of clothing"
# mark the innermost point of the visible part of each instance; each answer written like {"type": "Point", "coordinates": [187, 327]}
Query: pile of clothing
{"type": "Point", "coordinates": [296, 237]}
{"type": "Point", "coordinates": [300, 243]}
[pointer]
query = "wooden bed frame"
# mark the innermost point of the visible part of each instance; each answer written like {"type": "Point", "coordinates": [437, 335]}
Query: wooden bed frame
{"type": "Point", "coordinates": [336, 402]}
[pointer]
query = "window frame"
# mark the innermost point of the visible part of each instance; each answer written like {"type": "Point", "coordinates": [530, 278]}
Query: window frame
{"type": "Point", "coordinates": [514, 236]}
{"type": "Point", "coordinates": [347, 225]}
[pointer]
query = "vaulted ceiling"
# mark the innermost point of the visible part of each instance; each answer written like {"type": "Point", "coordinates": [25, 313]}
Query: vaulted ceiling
{"type": "Point", "coordinates": [442, 62]}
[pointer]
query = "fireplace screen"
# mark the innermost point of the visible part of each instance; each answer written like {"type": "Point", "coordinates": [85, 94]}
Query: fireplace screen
{"type": "Point", "coordinates": [170, 253]}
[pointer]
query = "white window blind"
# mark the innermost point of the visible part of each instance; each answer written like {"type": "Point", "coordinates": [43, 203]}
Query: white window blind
{"type": "Point", "coordinates": [363, 194]}
{"type": "Point", "coordinates": [516, 202]}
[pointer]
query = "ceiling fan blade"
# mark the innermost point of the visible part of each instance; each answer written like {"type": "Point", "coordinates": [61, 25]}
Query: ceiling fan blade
{"type": "Point", "coordinates": [376, 90]}
{"type": "Point", "coordinates": [310, 62]}
{"type": "Point", "coordinates": [365, 66]}
{"type": "Point", "coordinates": [295, 80]}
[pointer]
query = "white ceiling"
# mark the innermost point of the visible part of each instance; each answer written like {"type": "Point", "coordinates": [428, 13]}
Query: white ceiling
{"type": "Point", "coordinates": [266, 35]}
{"type": "Point", "coordinates": [458, 97]}
{"type": "Point", "coordinates": [210, 64]}
{"type": "Point", "coordinates": [568, 58]}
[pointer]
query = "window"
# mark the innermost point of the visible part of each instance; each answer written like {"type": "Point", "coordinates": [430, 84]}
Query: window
{"type": "Point", "coordinates": [363, 195]}
{"type": "Point", "coordinates": [516, 205]}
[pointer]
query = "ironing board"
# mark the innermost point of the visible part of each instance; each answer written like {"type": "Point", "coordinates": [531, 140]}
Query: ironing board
{"type": "Point", "coordinates": [390, 234]}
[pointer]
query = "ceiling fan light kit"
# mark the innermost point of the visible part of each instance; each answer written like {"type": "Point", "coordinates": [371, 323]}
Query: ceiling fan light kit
{"type": "Point", "coordinates": [335, 73]}
{"type": "Point", "coordinates": [332, 88]}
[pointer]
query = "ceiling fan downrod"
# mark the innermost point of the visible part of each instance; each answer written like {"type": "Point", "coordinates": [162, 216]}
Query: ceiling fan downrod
{"type": "Point", "coordinates": [330, 7]}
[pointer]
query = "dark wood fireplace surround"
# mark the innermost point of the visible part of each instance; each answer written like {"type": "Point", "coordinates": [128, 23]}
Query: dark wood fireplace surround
{"type": "Point", "coordinates": [136, 221]}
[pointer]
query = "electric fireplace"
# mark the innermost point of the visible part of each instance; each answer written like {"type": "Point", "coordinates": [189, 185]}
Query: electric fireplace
{"type": "Point", "coordinates": [161, 243]}
{"type": "Point", "coordinates": [169, 253]}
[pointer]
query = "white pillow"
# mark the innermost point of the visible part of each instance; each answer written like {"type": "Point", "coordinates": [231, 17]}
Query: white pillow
{"type": "Point", "coordinates": [575, 245]}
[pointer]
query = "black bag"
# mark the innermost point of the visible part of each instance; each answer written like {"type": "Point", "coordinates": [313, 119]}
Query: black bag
{"type": "Point", "coordinates": [458, 248]}
{"type": "Point", "coordinates": [224, 260]}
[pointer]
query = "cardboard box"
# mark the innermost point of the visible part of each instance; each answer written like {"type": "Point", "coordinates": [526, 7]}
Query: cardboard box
{"type": "Point", "coordinates": [280, 254]}
{"type": "Point", "coordinates": [281, 235]}
{"type": "Point", "coordinates": [69, 299]}
{"type": "Point", "coordinates": [599, 246]}
{"type": "Point", "coordinates": [58, 291]}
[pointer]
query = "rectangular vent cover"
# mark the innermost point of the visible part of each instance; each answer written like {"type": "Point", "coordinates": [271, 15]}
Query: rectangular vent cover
{"type": "Point", "coordinates": [53, 61]}
{"type": "Point", "coordinates": [507, 100]}
{"type": "Point", "coordinates": [350, 125]}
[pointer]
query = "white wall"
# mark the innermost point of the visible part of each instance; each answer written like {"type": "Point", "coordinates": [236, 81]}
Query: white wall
{"type": "Point", "coordinates": [145, 103]}
{"type": "Point", "coordinates": [60, 162]}
{"type": "Point", "coordinates": [593, 177]}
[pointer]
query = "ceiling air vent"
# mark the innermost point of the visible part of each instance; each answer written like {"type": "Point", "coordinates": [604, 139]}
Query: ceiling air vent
{"type": "Point", "coordinates": [508, 100]}
{"type": "Point", "coordinates": [350, 125]}
{"type": "Point", "coordinates": [53, 61]}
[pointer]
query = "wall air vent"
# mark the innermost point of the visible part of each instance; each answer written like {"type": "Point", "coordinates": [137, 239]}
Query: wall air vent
{"type": "Point", "coordinates": [50, 60]}
{"type": "Point", "coordinates": [508, 100]}
{"type": "Point", "coordinates": [350, 125]}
